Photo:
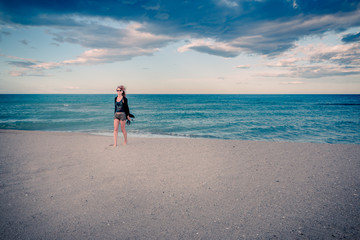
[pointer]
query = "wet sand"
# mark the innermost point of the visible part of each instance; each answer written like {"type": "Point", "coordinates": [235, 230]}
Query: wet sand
{"type": "Point", "coordinates": [76, 186]}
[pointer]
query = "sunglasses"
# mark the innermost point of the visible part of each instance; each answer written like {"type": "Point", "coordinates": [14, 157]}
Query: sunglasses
{"type": "Point", "coordinates": [119, 90]}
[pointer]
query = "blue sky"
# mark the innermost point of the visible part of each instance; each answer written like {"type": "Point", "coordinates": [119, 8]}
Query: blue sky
{"type": "Point", "coordinates": [158, 46]}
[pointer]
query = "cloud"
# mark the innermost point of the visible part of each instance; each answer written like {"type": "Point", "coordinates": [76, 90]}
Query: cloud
{"type": "Point", "coordinates": [345, 55]}
{"type": "Point", "coordinates": [319, 60]}
{"type": "Point", "coordinates": [21, 64]}
{"type": "Point", "coordinates": [273, 37]}
{"type": "Point", "coordinates": [265, 27]}
{"type": "Point", "coordinates": [110, 44]}
{"type": "Point", "coordinates": [212, 48]}
{"type": "Point", "coordinates": [27, 72]}
{"type": "Point", "coordinates": [4, 33]}
{"type": "Point", "coordinates": [277, 36]}
{"type": "Point", "coordinates": [243, 66]}
{"type": "Point", "coordinates": [119, 30]}
{"type": "Point", "coordinates": [105, 44]}
{"type": "Point", "coordinates": [325, 71]}
{"type": "Point", "coordinates": [24, 42]}
{"type": "Point", "coordinates": [28, 66]}
{"type": "Point", "coordinates": [96, 56]}
{"type": "Point", "coordinates": [229, 3]}
{"type": "Point", "coordinates": [288, 62]}
{"type": "Point", "coordinates": [100, 36]}
{"type": "Point", "coordinates": [292, 83]}
{"type": "Point", "coordinates": [72, 87]}
{"type": "Point", "coordinates": [351, 38]}
{"type": "Point", "coordinates": [90, 57]}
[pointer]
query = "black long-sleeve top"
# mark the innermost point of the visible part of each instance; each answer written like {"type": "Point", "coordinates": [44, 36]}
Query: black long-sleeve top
{"type": "Point", "coordinates": [125, 106]}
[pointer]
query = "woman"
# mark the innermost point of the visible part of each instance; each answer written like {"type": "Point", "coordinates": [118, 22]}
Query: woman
{"type": "Point", "coordinates": [121, 113]}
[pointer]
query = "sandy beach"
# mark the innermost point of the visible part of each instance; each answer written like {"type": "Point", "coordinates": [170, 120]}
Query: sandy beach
{"type": "Point", "coordinates": [76, 186]}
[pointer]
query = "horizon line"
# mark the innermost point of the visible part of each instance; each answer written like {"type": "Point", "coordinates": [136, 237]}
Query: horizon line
{"type": "Point", "coordinates": [181, 94]}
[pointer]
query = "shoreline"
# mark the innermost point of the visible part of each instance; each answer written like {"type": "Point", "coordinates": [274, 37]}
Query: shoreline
{"type": "Point", "coordinates": [170, 136]}
{"type": "Point", "coordinates": [69, 185]}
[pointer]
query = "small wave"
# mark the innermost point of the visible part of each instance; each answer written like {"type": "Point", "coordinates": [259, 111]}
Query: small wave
{"type": "Point", "coordinates": [339, 104]}
{"type": "Point", "coordinates": [142, 134]}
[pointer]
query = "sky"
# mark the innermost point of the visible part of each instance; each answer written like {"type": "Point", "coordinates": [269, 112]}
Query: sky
{"type": "Point", "coordinates": [180, 47]}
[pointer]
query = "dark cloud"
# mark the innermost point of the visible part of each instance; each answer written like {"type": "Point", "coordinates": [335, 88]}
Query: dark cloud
{"type": "Point", "coordinates": [266, 27]}
{"type": "Point", "coordinates": [21, 64]}
{"type": "Point", "coordinates": [351, 38]}
{"type": "Point", "coordinates": [24, 42]}
{"type": "Point", "coordinates": [217, 52]}
{"type": "Point", "coordinates": [324, 71]}
{"type": "Point", "coordinates": [4, 33]}
{"type": "Point", "coordinates": [99, 36]}
{"type": "Point", "coordinates": [243, 66]}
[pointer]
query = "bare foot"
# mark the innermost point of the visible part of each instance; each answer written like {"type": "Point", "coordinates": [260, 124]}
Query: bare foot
{"type": "Point", "coordinates": [125, 143]}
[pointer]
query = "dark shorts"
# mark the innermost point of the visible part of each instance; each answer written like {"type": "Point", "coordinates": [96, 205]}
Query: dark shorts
{"type": "Point", "coordinates": [120, 115]}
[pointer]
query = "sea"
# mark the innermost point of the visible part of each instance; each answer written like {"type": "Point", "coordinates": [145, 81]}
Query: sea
{"type": "Point", "coordinates": [279, 118]}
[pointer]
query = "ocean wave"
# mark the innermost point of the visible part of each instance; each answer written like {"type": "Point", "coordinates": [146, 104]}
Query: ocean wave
{"type": "Point", "coordinates": [339, 104]}
{"type": "Point", "coordinates": [305, 118]}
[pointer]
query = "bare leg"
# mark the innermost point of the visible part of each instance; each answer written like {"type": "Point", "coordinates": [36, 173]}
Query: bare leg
{"type": "Point", "coordinates": [123, 124]}
{"type": "Point", "coordinates": [116, 129]}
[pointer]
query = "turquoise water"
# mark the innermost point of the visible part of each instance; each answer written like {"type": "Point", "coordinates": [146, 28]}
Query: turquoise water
{"type": "Point", "coordinates": [295, 118]}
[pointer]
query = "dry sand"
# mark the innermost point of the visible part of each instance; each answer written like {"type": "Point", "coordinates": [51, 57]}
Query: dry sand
{"type": "Point", "coordinates": [75, 186]}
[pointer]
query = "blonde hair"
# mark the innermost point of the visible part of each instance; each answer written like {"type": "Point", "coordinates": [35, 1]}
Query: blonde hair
{"type": "Point", "coordinates": [122, 88]}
